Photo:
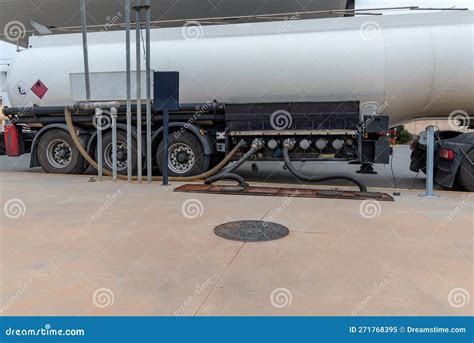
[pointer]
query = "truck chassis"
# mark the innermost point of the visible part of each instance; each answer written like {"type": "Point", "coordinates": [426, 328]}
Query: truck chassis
{"type": "Point", "coordinates": [201, 135]}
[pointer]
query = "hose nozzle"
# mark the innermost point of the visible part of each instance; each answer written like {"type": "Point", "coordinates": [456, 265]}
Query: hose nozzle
{"type": "Point", "coordinates": [257, 144]}
{"type": "Point", "coordinates": [289, 143]}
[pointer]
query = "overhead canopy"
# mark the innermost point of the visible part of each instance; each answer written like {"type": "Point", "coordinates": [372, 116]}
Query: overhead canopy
{"type": "Point", "coordinates": [64, 15]}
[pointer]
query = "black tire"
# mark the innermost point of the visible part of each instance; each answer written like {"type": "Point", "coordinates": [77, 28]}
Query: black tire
{"type": "Point", "coordinates": [466, 172]}
{"type": "Point", "coordinates": [121, 152]}
{"type": "Point", "coordinates": [57, 154]}
{"type": "Point", "coordinates": [418, 161]}
{"type": "Point", "coordinates": [186, 156]}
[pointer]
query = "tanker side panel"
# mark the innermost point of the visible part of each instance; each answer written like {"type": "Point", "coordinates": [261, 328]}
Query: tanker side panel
{"type": "Point", "coordinates": [453, 81]}
{"type": "Point", "coordinates": [328, 66]}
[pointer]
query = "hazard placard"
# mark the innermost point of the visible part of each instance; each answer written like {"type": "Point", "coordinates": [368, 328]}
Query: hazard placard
{"type": "Point", "coordinates": [21, 89]}
{"type": "Point", "coordinates": [39, 89]}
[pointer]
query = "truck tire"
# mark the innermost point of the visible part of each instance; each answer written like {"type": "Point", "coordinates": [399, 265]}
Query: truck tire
{"type": "Point", "coordinates": [466, 172]}
{"type": "Point", "coordinates": [58, 155]}
{"type": "Point", "coordinates": [186, 156]}
{"type": "Point", "coordinates": [121, 152]}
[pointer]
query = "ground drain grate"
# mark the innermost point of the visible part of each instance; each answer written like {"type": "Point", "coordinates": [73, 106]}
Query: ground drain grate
{"type": "Point", "coordinates": [285, 192]}
{"type": "Point", "coordinates": [251, 231]}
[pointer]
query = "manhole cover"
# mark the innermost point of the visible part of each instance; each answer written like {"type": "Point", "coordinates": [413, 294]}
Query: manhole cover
{"type": "Point", "coordinates": [251, 231]}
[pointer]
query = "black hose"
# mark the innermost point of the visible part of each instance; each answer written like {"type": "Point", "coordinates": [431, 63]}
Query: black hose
{"type": "Point", "coordinates": [307, 178]}
{"type": "Point", "coordinates": [257, 145]}
{"type": "Point", "coordinates": [242, 160]}
{"type": "Point", "coordinates": [227, 176]}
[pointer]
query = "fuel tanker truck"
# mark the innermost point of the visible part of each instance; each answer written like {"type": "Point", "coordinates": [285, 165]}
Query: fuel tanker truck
{"type": "Point", "coordinates": [317, 89]}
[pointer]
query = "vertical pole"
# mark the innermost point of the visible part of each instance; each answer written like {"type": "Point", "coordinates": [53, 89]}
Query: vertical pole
{"type": "Point", "coordinates": [429, 161]}
{"type": "Point", "coordinates": [148, 97]}
{"type": "Point", "coordinates": [85, 49]}
{"type": "Point", "coordinates": [129, 86]}
{"type": "Point", "coordinates": [113, 114]}
{"type": "Point", "coordinates": [98, 115]}
{"type": "Point", "coordinates": [139, 94]}
{"type": "Point", "coordinates": [166, 119]}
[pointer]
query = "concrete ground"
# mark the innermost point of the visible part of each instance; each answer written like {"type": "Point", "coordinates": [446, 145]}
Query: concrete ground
{"type": "Point", "coordinates": [73, 247]}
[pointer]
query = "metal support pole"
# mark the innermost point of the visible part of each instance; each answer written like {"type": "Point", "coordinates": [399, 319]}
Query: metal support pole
{"type": "Point", "coordinates": [148, 97]}
{"type": "Point", "coordinates": [430, 130]}
{"type": "Point", "coordinates": [113, 114]}
{"type": "Point", "coordinates": [98, 115]}
{"type": "Point", "coordinates": [85, 49]}
{"type": "Point", "coordinates": [166, 119]}
{"type": "Point", "coordinates": [129, 93]}
{"type": "Point", "coordinates": [139, 95]}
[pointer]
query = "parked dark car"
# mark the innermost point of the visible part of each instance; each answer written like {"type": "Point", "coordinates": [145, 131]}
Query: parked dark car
{"type": "Point", "coordinates": [454, 158]}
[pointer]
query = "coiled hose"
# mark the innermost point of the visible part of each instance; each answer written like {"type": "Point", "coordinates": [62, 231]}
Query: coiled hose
{"type": "Point", "coordinates": [227, 173]}
{"type": "Point", "coordinates": [90, 160]}
{"type": "Point", "coordinates": [307, 178]}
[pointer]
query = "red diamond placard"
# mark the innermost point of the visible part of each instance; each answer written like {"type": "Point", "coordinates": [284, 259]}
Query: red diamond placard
{"type": "Point", "coordinates": [39, 89]}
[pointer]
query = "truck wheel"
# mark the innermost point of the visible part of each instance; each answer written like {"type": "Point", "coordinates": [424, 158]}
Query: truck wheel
{"type": "Point", "coordinates": [466, 172]}
{"type": "Point", "coordinates": [121, 152]}
{"type": "Point", "coordinates": [185, 156]}
{"type": "Point", "coordinates": [58, 155]}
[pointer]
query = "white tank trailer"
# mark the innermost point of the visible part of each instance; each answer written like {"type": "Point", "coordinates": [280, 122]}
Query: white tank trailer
{"type": "Point", "coordinates": [308, 79]}
{"type": "Point", "coordinates": [420, 65]}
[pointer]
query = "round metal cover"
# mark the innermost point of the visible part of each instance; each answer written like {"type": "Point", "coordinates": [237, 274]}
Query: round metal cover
{"type": "Point", "coordinates": [251, 231]}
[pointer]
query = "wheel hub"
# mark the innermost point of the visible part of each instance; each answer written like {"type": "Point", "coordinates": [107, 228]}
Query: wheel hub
{"type": "Point", "coordinates": [181, 158]}
{"type": "Point", "coordinates": [62, 153]}
{"type": "Point", "coordinates": [121, 156]}
{"type": "Point", "coordinates": [59, 153]}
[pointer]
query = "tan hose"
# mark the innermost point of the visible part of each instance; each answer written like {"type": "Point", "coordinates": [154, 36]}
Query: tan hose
{"type": "Point", "coordinates": [88, 158]}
